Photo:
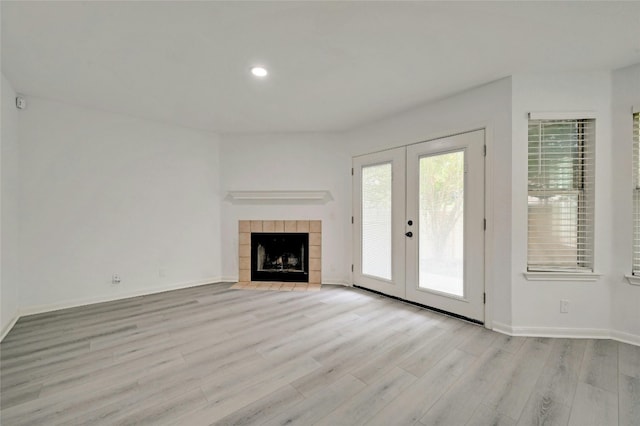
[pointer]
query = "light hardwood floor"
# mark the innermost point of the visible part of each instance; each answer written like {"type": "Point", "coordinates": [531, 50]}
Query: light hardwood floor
{"type": "Point", "coordinates": [340, 356]}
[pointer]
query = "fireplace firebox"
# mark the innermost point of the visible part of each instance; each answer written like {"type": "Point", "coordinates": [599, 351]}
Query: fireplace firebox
{"type": "Point", "coordinates": [280, 257]}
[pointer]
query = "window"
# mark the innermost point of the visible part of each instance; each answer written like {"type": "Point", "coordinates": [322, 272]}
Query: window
{"type": "Point", "coordinates": [561, 195]}
{"type": "Point", "coordinates": [636, 195]}
{"type": "Point", "coordinates": [377, 198]}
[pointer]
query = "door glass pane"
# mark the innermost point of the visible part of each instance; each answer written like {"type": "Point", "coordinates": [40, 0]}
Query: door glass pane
{"type": "Point", "coordinates": [376, 220]}
{"type": "Point", "coordinates": [441, 214]}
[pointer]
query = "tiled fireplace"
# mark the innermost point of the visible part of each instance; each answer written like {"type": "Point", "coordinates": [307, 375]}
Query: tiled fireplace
{"type": "Point", "coordinates": [278, 261]}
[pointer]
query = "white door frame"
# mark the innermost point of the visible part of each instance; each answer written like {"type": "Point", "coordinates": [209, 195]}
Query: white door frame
{"type": "Point", "coordinates": [488, 206]}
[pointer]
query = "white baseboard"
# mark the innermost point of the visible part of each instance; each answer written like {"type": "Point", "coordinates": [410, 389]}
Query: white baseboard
{"type": "Point", "coordinates": [9, 326]}
{"type": "Point", "coordinates": [621, 336]}
{"type": "Point", "coordinates": [229, 279]}
{"type": "Point", "coordinates": [502, 328]}
{"type": "Point", "coordinates": [39, 309]}
{"type": "Point", "coordinates": [571, 333]}
{"type": "Point", "coordinates": [336, 282]}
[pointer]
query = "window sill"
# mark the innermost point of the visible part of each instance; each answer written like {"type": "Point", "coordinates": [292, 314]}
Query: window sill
{"type": "Point", "coordinates": [633, 279]}
{"type": "Point", "coordinates": [561, 276]}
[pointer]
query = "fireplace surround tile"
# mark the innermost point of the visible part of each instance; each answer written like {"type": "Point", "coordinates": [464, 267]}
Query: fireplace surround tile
{"type": "Point", "coordinates": [290, 226]}
{"type": "Point", "coordinates": [315, 239]}
{"type": "Point", "coordinates": [314, 264]}
{"type": "Point", "coordinates": [300, 287]}
{"type": "Point", "coordinates": [245, 263]}
{"type": "Point", "coordinates": [313, 227]}
{"type": "Point", "coordinates": [268, 226]}
{"type": "Point", "coordinates": [315, 277]}
{"type": "Point", "coordinates": [314, 252]}
{"type": "Point", "coordinates": [244, 226]}
{"type": "Point", "coordinates": [245, 250]}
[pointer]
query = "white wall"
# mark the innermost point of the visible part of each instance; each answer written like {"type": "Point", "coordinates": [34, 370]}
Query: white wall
{"type": "Point", "coordinates": [536, 304]}
{"type": "Point", "coordinates": [104, 193]}
{"type": "Point", "coordinates": [625, 298]}
{"type": "Point", "coordinates": [9, 254]}
{"type": "Point", "coordinates": [486, 106]}
{"type": "Point", "coordinates": [289, 162]}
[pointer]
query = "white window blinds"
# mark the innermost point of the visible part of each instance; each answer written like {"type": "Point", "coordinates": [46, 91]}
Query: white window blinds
{"type": "Point", "coordinates": [377, 198]}
{"type": "Point", "coordinates": [636, 195]}
{"type": "Point", "coordinates": [561, 195]}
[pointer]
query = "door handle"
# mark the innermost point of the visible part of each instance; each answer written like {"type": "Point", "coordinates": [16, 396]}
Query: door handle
{"type": "Point", "coordinates": [409, 234]}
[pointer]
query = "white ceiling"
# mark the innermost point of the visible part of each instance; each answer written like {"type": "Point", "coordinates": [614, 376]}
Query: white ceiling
{"type": "Point", "coordinates": [333, 65]}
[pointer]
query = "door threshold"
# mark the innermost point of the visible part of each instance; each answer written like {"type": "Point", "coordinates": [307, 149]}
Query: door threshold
{"type": "Point", "coordinates": [420, 305]}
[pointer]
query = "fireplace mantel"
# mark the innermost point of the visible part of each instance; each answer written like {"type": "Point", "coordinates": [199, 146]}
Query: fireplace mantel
{"type": "Point", "coordinates": [279, 196]}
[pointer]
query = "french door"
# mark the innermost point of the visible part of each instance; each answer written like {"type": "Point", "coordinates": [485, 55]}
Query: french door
{"type": "Point", "coordinates": [419, 223]}
{"type": "Point", "coordinates": [379, 188]}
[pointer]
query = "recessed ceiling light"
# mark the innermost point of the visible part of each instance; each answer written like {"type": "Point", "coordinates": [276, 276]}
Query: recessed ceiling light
{"type": "Point", "coordinates": [259, 71]}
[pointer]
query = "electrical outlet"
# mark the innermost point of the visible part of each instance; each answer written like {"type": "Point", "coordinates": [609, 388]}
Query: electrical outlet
{"type": "Point", "coordinates": [564, 306]}
{"type": "Point", "coordinates": [115, 279]}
